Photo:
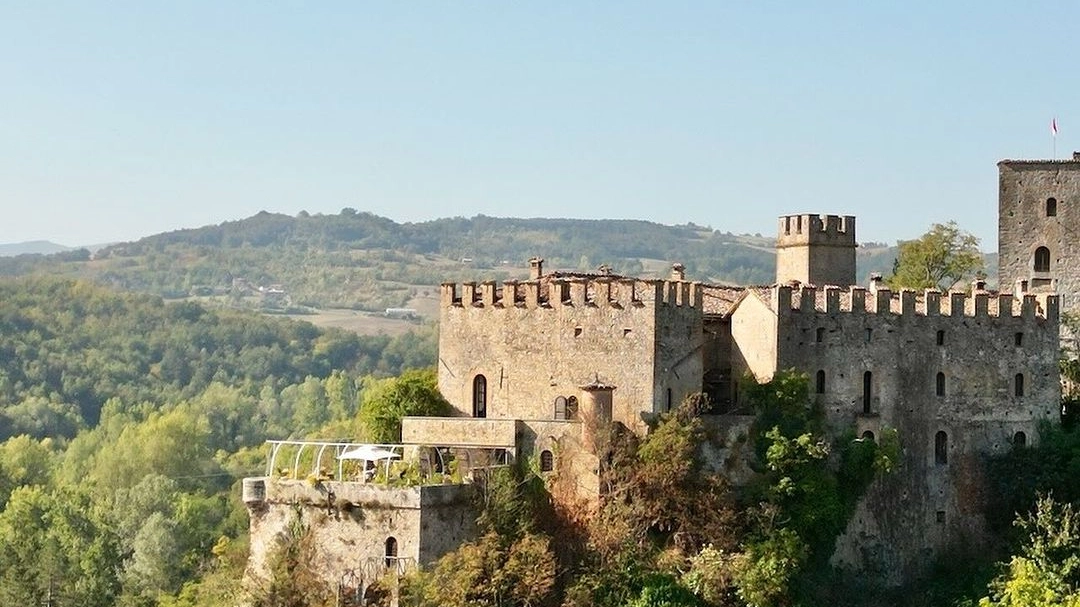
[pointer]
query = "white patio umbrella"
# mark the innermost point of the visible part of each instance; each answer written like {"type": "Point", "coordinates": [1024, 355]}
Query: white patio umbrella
{"type": "Point", "coordinates": [368, 453]}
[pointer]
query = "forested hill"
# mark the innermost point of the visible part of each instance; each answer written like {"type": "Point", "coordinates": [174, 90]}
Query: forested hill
{"type": "Point", "coordinates": [362, 261]}
{"type": "Point", "coordinates": [67, 348]}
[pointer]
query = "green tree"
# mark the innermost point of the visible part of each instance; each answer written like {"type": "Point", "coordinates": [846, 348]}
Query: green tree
{"type": "Point", "coordinates": [489, 573]}
{"type": "Point", "coordinates": [52, 546]}
{"type": "Point", "coordinates": [1046, 573]}
{"type": "Point", "coordinates": [938, 259]}
{"type": "Point", "coordinates": [384, 402]}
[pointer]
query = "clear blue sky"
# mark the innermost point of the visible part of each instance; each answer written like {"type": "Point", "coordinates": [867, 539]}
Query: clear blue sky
{"type": "Point", "coordinates": [124, 119]}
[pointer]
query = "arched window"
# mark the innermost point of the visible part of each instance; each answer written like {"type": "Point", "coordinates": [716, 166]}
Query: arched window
{"type": "Point", "coordinates": [1042, 259]}
{"type": "Point", "coordinates": [571, 408]}
{"type": "Point", "coordinates": [867, 383]}
{"type": "Point", "coordinates": [1018, 384]}
{"type": "Point", "coordinates": [547, 461]}
{"type": "Point", "coordinates": [941, 448]}
{"type": "Point", "coordinates": [560, 408]}
{"type": "Point", "coordinates": [391, 552]}
{"type": "Point", "coordinates": [868, 435]}
{"type": "Point", "coordinates": [1020, 440]}
{"type": "Point", "coordinates": [820, 382]}
{"type": "Point", "coordinates": [479, 396]}
{"type": "Point", "coordinates": [940, 386]}
{"type": "Point", "coordinates": [1051, 207]}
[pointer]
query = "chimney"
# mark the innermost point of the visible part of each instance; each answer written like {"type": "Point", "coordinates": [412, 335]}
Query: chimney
{"type": "Point", "coordinates": [1076, 155]}
{"type": "Point", "coordinates": [536, 268]}
{"type": "Point", "coordinates": [678, 271]}
{"type": "Point", "coordinates": [876, 282]}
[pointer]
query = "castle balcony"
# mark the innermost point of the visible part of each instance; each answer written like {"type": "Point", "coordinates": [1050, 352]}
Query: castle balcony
{"type": "Point", "coordinates": [397, 465]}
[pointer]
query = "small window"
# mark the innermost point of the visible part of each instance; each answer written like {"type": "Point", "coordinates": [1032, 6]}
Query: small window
{"type": "Point", "coordinates": [820, 382]}
{"type": "Point", "coordinates": [1051, 207]}
{"type": "Point", "coordinates": [1018, 339]}
{"type": "Point", "coordinates": [867, 383]}
{"type": "Point", "coordinates": [1042, 259]}
{"type": "Point", "coordinates": [1018, 384]}
{"type": "Point", "coordinates": [940, 384]}
{"type": "Point", "coordinates": [669, 399]}
{"type": "Point", "coordinates": [391, 552]}
{"type": "Point", "coordinates": [941, 338]}
{"type": "Point", "coordinates": [571, 408]}
{"type": "Point", "coordinates": [820, 335]}
{"type": "Point", "coordinates": [869, 334]}
{"type": "Point", "coordinates": [547, 461]}
{"type": "Point", "coordinates": [1019, 440]}
{"type": "Point", "coordinates": [479, 387]}
{"type": "Point", "coordinates": [626, 332]}
{"type": "Point", "coordinates": [940, 516]}
{"type": "Point", "coordinates": [577, 331]}
{"type": "Point", "coordinates": [560, 408]}
{"type": "Point", "coordinates": [868, 435]}
{"type": "Point", "coordinates": [941, 448]}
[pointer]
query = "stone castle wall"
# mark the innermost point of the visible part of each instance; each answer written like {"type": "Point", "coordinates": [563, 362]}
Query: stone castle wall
{"type": "Point", "coordinates": [904, 341]}
{"type": "Point", "coordinates": [538, 340]}
{"type": "Point", "coordinates": [351, 527]}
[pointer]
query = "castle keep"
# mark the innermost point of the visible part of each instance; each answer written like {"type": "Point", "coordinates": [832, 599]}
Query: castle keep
{"type": "Point", "coordinates": [1038, 223]}
{"type": "Point", "coordinates": [529, 365]}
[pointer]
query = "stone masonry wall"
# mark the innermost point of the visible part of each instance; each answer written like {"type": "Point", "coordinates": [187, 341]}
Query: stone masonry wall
{"type": "Point", "coordinates": [1023, 226]}
{"type": "Point", "coordinates": [459, 431]}
{"type": "Point", "coordinates": [816, 250]}
{"type": "Point", "coordinates": [538, 340]}
{"type": "Point", "coordinates": [352, 529]}
{"type": "Point", "coordinates": [904, 341]}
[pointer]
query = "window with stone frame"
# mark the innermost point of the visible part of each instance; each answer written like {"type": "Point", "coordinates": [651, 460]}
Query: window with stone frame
{"type": "Point", "coordinates": [1042, 260]}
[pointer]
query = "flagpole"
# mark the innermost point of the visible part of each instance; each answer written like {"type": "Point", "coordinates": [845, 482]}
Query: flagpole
{"type": "Point", "coordinates": [1053, 138]}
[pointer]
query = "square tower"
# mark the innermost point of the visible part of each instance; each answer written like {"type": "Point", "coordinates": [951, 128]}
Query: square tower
{"type": "Point", "coordinates": [1038, 220]}
{"type": "Point", "coordinates": [816, 249]}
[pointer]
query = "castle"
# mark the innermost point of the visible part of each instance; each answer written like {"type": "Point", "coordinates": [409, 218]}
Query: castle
{"type": "Point", "coordinates": [527, 365]}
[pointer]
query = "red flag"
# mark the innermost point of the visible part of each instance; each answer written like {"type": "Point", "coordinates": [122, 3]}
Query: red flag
{"type": "Point", "coordinates": [1053, 127]}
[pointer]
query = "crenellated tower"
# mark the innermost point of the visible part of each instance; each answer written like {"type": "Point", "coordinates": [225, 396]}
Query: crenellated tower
{"type": "Point", "coordinates": [518, 349]}
{"type": "Point", "coordinates": [816, 249]}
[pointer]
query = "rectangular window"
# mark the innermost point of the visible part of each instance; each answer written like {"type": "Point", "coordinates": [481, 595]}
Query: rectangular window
{"type": "Point", "coordinates": [1018, 339]}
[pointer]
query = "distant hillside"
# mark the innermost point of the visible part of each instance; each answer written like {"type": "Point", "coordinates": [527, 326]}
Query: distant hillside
{"type": "Point", "coordinates": [31, 247]}
{"type": "Point", "coordinates": [365, 262]}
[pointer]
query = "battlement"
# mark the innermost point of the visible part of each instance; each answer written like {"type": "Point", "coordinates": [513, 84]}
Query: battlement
{"type": "Point", "coordinates": [811, 229]}
{"type": "Point", "coordinates": [573, 292]}
{"type": "Point", "coordinates": [929, 303]}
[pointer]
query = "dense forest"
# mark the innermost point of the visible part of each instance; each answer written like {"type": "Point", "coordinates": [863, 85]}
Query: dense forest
{"type": "Point", "coordinates": [125, 423]}
{"type": "Point", "coordinates": [358, 260]}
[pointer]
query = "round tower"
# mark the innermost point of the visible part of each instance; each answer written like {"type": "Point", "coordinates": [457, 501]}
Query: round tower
{"type": "Point", "coordinates": [595, 412]}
